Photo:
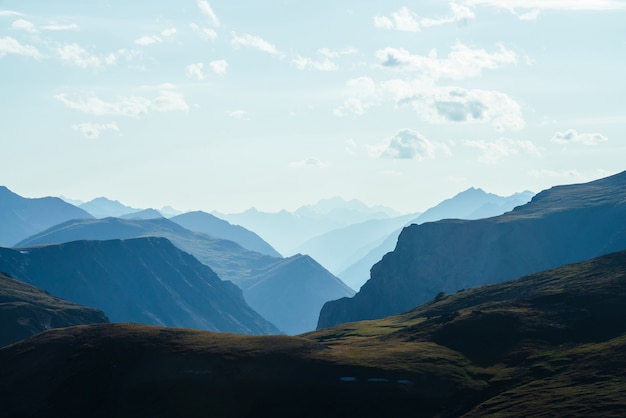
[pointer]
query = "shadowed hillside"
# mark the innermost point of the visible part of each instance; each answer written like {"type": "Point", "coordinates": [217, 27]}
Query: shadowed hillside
{"type": "Point", "coordinates": [549, 344]}
{"type": "Point", "coordinates": [26, 310]}
{"type": "Point", "coordinates": [561, 225]}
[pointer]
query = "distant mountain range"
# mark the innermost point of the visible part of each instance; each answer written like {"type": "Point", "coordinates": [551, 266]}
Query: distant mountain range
{"type": "Point", "coordinates": [26, 310]}
{"type": "Point", "coordinates": [561, 225]}
{"type": "Point", "coordinates": [101, 207]}
{"type": "Point", "coordinates": [286, 231]}
{"type": "Point", "coordinates": [471, 204]}
{"type": "Point", "coordinates": [548, 344]}
{"type": "Point", "coordinates": [21, 217]}
{"type": "Point", "coordinates": [294, 307]}
{"type": "Point", "coordinates": [143, 280]}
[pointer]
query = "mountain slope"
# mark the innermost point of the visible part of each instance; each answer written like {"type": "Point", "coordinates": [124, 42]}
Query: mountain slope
{"type": "Point", "coordinates": [562, 225]}
{"type": "Point", "coordinates": [218, 228]}
{"type": "Point", "coordinates": [549, 344]}
{"type": "Point", "coordinates": [228, 259]}
{"type": "Point", "coordinates": [143, 280]}
{"type": "Point", "coordinates": [26, 310]}
{"type": "Point", "coordinates": [101, 207]}
{"type": "Point", "coordinates": [469, 204]}
{"type": "Point", "coordinates": [22, 217]}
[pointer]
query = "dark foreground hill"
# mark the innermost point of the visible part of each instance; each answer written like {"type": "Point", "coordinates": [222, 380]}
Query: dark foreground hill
{"type": "Point", "coordinates": [144, 280]}
{"type": "Point", "coordinates": [564, 224]}
{"type": "Point", "coordinates": [26, 310]}
{"type": "Point", "coordinates": [21, 217]}
{"type": "Point", "coordinates": [550, 344]}
{"type": "Point", "coordinates": [292, 289]}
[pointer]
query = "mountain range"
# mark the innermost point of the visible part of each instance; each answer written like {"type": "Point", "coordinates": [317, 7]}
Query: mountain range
{"type": "Point", "coordinates": [548, 344]}
{"type": "Point", "coordinates": [21, 217]}
{"type": "Point", "coordinates": [294, 307]}
{"type": "Point", "coordinates": [561, 225]}
{"type": "Point", "coordinates": [142, 280]}
{"type": "Point", "coordinates": [26, 310]}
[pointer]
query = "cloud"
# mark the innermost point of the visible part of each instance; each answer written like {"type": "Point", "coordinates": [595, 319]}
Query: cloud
{"type": "Point", "coordinates": [462, 61]}
{"type": "Point", "coordinates": [93, 130]}
{"type": "Point", "coordinates": [9, 13]}
{"type": "Point", "coordinates": [494, 151]}
{"type": "Point", "coordinates": [195, 71]}
{"type": "Point", "coordinates": [570, 136]}
{"type": "Point", "coordinates": [351, 106]}
{"type": "Point", "coordinates": [10, 45]}
{"type": "Point", "coordinates": [206, 33]}
{"type": "Point", "coordinates": [330, 53]}
{"type": "Point", "coordinates": [303, 63]}
{"type": "Point", "coordinates": [25, 25]}
{"type": "Point", "coordinates": [459, 14]}
{"type": "Point", "coordinates": [362, 94]}
{"type": "Point", "coordinates": [75, 55]}
{"type": "Point", "coordinates": [566, 174]}
{"type": "Point", "coordinates": [403, 20]}
{"type": "Point", "coordinates": [239, 114]}
{"type": "Point", "coordinates": [406, 144]}
{"type": "Point", "coordinates": [254, 42]}
{"type": "Point", "coordinates": [310, 162]}
{"type": "Point", "coordinates": [219, 67]}
{"type": "Point", "coordinates": [205, 9]}
{"type": "Point", "coordinates": [567, 5]}
{"type": "Point", "coordinates": [167, 100]}
{"type": "Point", "coordinates": [148, 40]}
{"type": "Point", "coordinates": [55, 27]}
{"type": "Point", "coordinates": [440, 105]}
{"type": "Point", "coordinates": [168, 32]}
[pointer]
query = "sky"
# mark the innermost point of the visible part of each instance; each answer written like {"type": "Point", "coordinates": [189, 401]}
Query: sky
{"type": "Point", "coordinates": [226, 105]}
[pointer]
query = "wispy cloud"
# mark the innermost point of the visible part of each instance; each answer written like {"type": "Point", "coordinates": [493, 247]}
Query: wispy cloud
{"type": "Point", "coordinates": [362, 94]}
{"type": "Point", "coordinates": [254, 42]}
{"type": "Point", "coordinates": [333, 53]}
{"type": "Point", "coordinates": [405, 20]}
{"type": "Point", "coordinates": [10, 13]}
{"type": "Point", "coordinates": [406, 144]}
{"type": "Point", "coordinates": [75, 55]}
{"type": "Point", "coordinates": [460, 13]}
{"type": "Point", "coordinates": [554, 174]}
{"type": "Point", "coordinates": [195, 71]}
{"type": "Point", "coordinates": [206, 33]}
{"type": "Point", "coordinates": [168, 32]}
{"type": "Point", "coordinates": [494, 151]}
{"type": "Point", "coordinates": [9, 45]}
{"type": "Point", "coordinates": [239, 114]}
{"type": "Point", "coordinates": [25, 25]}
{"type": "Point", "coordinates": [462, 61]}
{"type": "Point", "coordinates": [310, 162]}
{"type": "Point", "coordinates": [93, 130]}
{"type": "Point", "coordinates": [148, 40]}
{"type": "Point", "coordinates": [207, 10]}
{"type": "Point", "coordinates": [571, 136]}
{"type": "Point", "coordinates": [304, 63]}
{"type": "Point", "coordinates": [219, 67]}
{"type": "Point", "coordinates": [58, 27]}
{"type": "Point", "coordinates": [166, 100]}
{"type": "Point", "coordinates": [551, 4]}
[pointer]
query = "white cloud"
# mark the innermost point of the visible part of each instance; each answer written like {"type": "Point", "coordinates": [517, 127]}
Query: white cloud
{"type": "Point", "coordinates": [10, 45]}
{"type": "Point", "coordinates": [148, 40]}
{"type": "Point", "coordinates": [219, 67]}
{"type": "Point", "coordinates": [362, 94]}
{"type": "Point", "coordinates": [551, 4]}
{"type": "Point", "coordinates": [195, 71]}
{"type": "Point", "coordinates": [406, 144]}
{"type": "Point", "coordinates": [494, 151]}
{"type": "Point", "coordinates": [25, 25]}
{"type": "Point", "coordinates": [168, 32]}
{"type": "Point", "coordinates": [303, 63]}
{"type": "Point", "coordinates": [167, 100]}
{"type": "Point", "coordinates": [439, 105]}
{"type": "Point", "coordinates": [205, 33]}
{"type": "Point", "coordinates": [461, 62]}
{"type": "Point", "coordinates": [254, 42]}
{"type": "Point", "coordinates": [571, 136]}
{"type": "Point", "coordinates": [351, 146]}
{"type": "Point", "coordinates": [310, 162]}
{"type": "Point", "coordinates": [239, 114]}
{"type": "Point", "coordinates": [10, 13]}
{"type": "Point", "coordinates": [55, 27]}
{"type": "Point", "coordinates": [75, 55]}
{"type": "Point", "coordinates": [351, 106]}
{"type": "Point", "coordinates": [403, 20]}
{"type": "Point", "coordinates": [205, 9]}
{"type": "Point", "coordinates": [93, 130]}
{"type": "Point", "coordinates": [460, 13]}
{"type": "Point", "coordinates": [330, 53]}
{"type": "Point", "coordinates": [564, 174]}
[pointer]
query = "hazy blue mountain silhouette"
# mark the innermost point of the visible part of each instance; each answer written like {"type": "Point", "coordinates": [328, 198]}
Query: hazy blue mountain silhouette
{"type": "Point", "coordinates": [470, 204]}
{"type": "Point", "coordinates": [227, 258]}
{"type": "Point", "coordinates": [143, 214]}
{"type": "Point", "coordinates": [285, 230]}
{"type": "Point", "coordinates": [564, 224]}
{"type": "Point", "coordinates": [101, 207]}
{"type": "Point", "coordinates": [213, 226]}
{"type": "Point", "coordinates": [142, 280]}
{"type": "Point", "coordinates": [26, 310]}
{"type": "Point", "coordinates": [22, 217]}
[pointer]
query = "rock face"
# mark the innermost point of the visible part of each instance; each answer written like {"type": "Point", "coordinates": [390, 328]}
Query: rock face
{"type": "Point", "coordinates": [143, 280]}
{"type": "Point", "coordinates": [21, 217]}
{"type": "Point", "coordinates": [561, 225]}
{"type": "Point", "coordinates": [26, 310]}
